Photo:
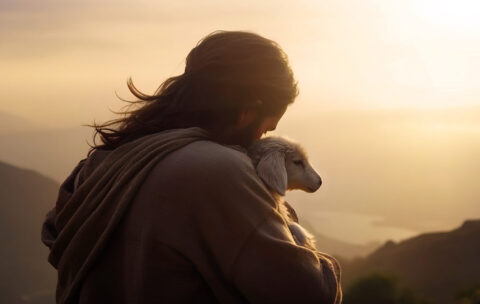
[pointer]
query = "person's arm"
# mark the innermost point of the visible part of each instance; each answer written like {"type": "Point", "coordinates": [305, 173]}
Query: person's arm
{"type": "Point", "coordinates": [335, 263]}
{"type": "Point", "coordinates": [241, 235]}
{"type": "Point", "coordinates": [270, 268]}
{"type": "Point", "coordinates": [252, 242]}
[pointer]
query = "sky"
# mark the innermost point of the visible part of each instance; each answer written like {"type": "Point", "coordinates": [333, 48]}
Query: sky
{"type": "Point", "coordinates": [389, 90]}
{"type": "Point", "coordinates": [63, 61]}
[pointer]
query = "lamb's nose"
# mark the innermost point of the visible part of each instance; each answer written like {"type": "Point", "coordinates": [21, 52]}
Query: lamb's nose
{"type": "Point", "coordinates": [317, 185]}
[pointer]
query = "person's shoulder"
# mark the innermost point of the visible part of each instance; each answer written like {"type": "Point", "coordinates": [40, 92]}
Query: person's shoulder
{"type": "Point", "coordinates": [203, 163]}
{"type": "Point", "coordinates": [210, 155]}
{"type": "Point", "coordinates": [204, 168]}
{"type": "Point", "coordinates": [216, 175]}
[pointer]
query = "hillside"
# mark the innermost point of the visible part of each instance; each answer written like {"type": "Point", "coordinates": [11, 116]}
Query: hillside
{"type": "Point", "coordinates": [25, 197]}
{"type": "Point", "coordinates": [436, 265]}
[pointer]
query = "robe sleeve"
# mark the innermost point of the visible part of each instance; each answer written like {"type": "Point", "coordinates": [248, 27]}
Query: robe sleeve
{"type": "Point", "coordinates": [265, 265]}
{"type": "Point", "coordinates": [270, 268]}
{"type": "Point", "coordinates": [235, 229]}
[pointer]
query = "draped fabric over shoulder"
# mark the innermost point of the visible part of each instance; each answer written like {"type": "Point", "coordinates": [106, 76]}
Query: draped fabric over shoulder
{"type": "Point", "coordinates": [176, 217]}
{"type": "Point", "coordinates": [78, 229]}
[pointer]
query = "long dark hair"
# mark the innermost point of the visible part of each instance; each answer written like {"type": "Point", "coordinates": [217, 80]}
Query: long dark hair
{"type": "Point", "coordinates": [227, 71]}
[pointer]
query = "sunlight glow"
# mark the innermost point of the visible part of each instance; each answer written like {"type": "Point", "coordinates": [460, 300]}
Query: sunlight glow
{"type": "Point", "coordinates": [454, 15]}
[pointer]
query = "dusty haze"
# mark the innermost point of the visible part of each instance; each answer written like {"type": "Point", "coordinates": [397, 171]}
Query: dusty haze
{"type": "Point", "coordinates": [388, 109]}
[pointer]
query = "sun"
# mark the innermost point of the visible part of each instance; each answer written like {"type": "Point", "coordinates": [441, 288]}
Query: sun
{"type": "Point", "coordinates": [456, 15]}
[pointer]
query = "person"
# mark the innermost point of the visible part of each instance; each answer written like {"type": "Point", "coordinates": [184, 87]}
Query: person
{"type": "Point", "coordinates": [169, 209]}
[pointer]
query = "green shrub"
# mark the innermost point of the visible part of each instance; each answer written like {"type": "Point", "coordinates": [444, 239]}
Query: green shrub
{"type": "Point", "coordinates": [380, 289]}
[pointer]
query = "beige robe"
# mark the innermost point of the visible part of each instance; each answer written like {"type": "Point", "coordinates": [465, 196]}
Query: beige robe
{"type": "Point", "coordinates": [201, 227]}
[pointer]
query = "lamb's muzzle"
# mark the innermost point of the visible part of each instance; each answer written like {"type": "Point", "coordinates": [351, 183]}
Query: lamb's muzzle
{"type": "Point", "coordinates": [283, 165]}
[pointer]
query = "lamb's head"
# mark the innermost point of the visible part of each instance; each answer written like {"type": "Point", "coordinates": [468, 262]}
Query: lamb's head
{"type": "Point", "coordinates": [283, 165]}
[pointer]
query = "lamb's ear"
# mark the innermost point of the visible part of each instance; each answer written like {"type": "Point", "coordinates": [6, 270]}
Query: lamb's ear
{"type": "Point", "coordinates": [271, 169]}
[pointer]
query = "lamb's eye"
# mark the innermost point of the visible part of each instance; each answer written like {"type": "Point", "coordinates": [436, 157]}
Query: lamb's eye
{"type": "Point", "coordinates": [299, 162]}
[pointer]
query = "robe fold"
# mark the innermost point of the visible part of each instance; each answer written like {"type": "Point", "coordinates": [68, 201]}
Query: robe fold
{"type": "Point", "coordinates": [174, 217]}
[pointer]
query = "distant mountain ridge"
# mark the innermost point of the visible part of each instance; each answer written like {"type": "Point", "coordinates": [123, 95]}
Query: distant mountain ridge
{"type": "Point", "coordinates": [25, 197]}
{"type": "Point", "coordinates": [437, 265]}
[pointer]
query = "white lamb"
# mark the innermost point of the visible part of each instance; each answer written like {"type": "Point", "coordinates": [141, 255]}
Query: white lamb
{"type": "Point", "coordinates": [283, 165]}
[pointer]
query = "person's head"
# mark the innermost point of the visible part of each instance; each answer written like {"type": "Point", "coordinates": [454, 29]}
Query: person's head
{"type": "Point", "coordinates": [236, 85]}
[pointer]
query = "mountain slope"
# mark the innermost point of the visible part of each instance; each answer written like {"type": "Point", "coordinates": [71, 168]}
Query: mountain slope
{"type": "Point", "coordinates": [25, 197]}
{"type": "Point", "coordinates": [436, 265]}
